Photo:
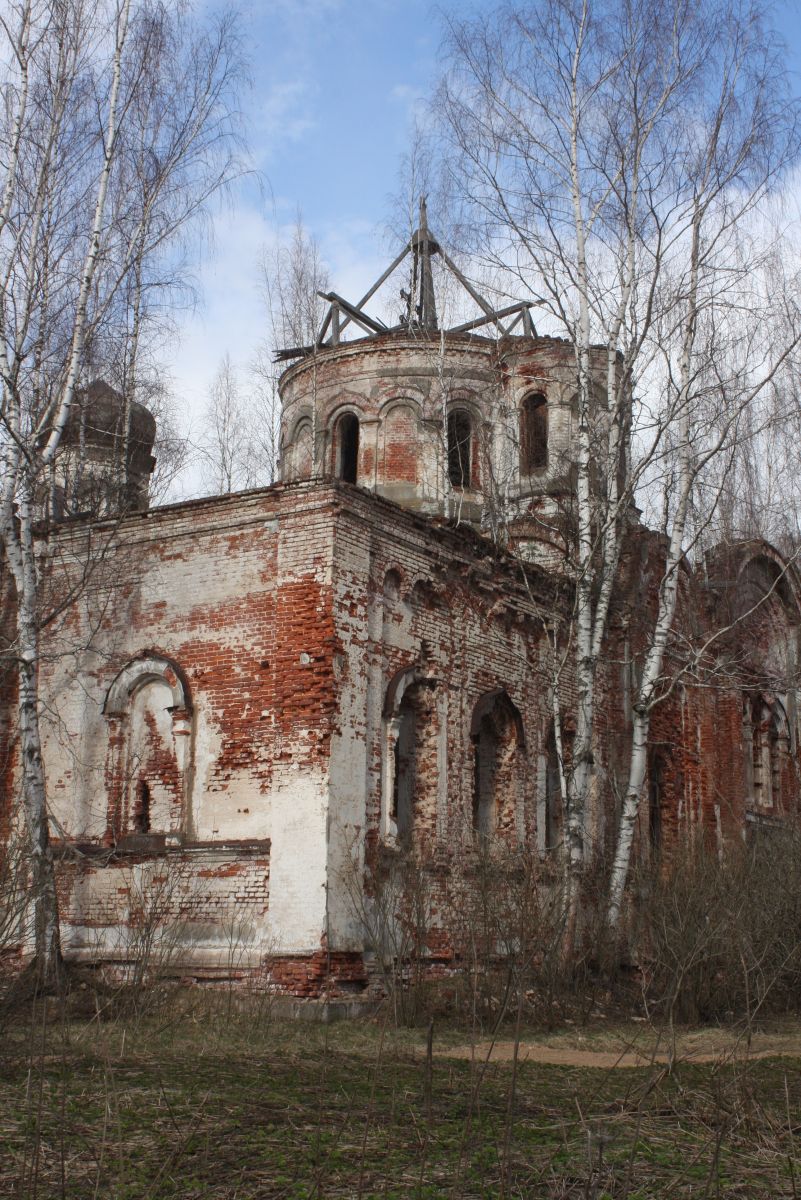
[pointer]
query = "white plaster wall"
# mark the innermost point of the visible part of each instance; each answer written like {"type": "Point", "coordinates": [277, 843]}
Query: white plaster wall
{"type": "Point", "coordinates": [74, 740]}
{"type": "Point", "coordinates": [169, 574]}
{"type": "Point", "coordinates": [150, 730]}
{"type": "Point", "coordinates": [299, 864]}
{"type": "Point", "coordinates": [348, 765]}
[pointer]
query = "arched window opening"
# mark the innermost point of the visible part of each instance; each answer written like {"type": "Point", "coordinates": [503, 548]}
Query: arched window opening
{"type": "Point", "coordinates": [497, 735]}
{"type": "Point", "coordinates": [485, 816]}
{"type": "Point", "coordinates": [141, 814]}
{"type": "Point", "coordinates": [405, 770]}
{"type": "Point", "coordinates": [459, 448]}
{"type": "Point", "coordinates": [533, 434]}
{"type": "Point", "coordinates": [760, 752]}
{"type": "Point", "coordinates": [766, 742]}
{"type": "Point", "coordinates": [151, 751]}
{"type": "Point", "coordinates": [776, 764]}
{"type": "Point", "coordinates": [412, 757]}
{"type": "Point", "coordinates": [347, 447]}
{"type": "Point", "coordinates": [748, 747]}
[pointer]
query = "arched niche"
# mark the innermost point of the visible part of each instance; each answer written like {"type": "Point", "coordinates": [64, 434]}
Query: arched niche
{"type": "Point", "coordinates": [766, 741]}
{"type": "Point", "coordinates": [391, 587]}
{"type": "Point", "coordinates": [401, 442]}
{"type": "Point", "coordinates": [759, 599]}
{"type": "Point", "coordinates": [496, 731]}
{"type": "Point", "coordinates": [141, 671]}
{"type": "Point", "coordinates": [149, 708]}
{"type": "Point", "coordinates": [762, 576]}
{"type": "Point", "coordinates": [300, 451]}
{"type": "Point", "coordinates": [549, 816]}
{"type": "Point", "coordinates": [410, 783]}
{"type": "Point", "coordinates": [423, 595]}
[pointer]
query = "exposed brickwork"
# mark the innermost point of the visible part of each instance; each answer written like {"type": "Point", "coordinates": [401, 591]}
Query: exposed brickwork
{"type": "Point", "coordinates": [200, 903]}
{"type": "Point", "coordinates": [320, 974]}
{"type": "Point", "coordinates": [315, 673]}
{"type": "Point", "coordinates": [400, 458]}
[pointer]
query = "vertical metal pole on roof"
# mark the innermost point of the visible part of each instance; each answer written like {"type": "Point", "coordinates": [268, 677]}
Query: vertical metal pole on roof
{"type": "Point", "coordinates": [428, 306]}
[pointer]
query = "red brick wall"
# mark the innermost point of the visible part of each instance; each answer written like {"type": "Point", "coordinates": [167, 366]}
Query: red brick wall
{"type": "Point", "coordinates": [289, 611]}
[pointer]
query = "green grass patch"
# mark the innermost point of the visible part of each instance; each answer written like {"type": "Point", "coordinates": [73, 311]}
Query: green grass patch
{"type": "Point", "coordinates": [214, 1104]}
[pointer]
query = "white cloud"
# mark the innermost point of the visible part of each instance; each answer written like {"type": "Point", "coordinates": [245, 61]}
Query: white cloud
{"type": "Point", "coordinates": [284, 114]}
{"type": "Point", "coordinates": [231, 318]}
{"type": "Point", "coordinates": [406, 93]}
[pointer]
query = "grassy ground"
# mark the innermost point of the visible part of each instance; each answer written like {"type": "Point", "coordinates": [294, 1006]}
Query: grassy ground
{"type": "Point", "coordinates": [202, 1101]}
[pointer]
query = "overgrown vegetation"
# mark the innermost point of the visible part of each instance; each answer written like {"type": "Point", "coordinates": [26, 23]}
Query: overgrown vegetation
{"type": "Point", "coordinates": [200, 1103]}
{"type": "Point", "coordinates": [719, 936]}
{"type": "Point", "coordinates": [711, 936]}
{"type": "Point", "coordinates": [140, 1088]}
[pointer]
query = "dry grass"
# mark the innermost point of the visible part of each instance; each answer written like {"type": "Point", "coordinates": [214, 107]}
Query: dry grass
{"type": "Point", "coordinates": [203, 1100]}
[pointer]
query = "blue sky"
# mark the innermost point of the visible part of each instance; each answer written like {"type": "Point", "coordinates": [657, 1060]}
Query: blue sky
{"type": "Point", "coordinates": [335, 85]}
{"type": "Point", "coordinates": [327, 118]}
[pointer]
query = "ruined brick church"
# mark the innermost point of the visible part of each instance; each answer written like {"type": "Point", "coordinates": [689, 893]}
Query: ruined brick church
{"type": "Point", "coordinates": [252, 691]}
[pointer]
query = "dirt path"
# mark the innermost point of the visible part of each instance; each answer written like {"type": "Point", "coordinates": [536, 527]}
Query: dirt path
{"type": "Point", "coordinates": [694, 1047]}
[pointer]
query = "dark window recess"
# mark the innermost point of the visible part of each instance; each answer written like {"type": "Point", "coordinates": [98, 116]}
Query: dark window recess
{"type": "Point", "coordinates": [407, 781]}
{"type": "Point", "coordinates": [348, 447]}
{"type": "Point", "coordinates": [534, 433]}
{"type": "Point", "coordinates": [485, 779]}
{"type": "Point", "coordinates": [396, 778]}
{"type": "Point", "coordinates": [141, 816]}
{"type": "Point", "coordinates": [775, 766]}
{"type": "Point", "coordinates": [496, 730]}
{"type": "Point", "coordinates": [459, 447]}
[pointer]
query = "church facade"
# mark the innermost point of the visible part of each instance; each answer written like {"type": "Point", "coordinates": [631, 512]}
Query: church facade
{"type": "Point", "coordinates": [250, 695]}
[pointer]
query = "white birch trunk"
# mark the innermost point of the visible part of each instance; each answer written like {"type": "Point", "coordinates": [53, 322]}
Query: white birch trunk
{"type": "Point", "coordinates": [579, 777]}
{"type": "Point", "coordinates": [56, 156]}
{"type": "Point", "coordinates": [17, 536]}
{"type": "Point", "coordinates": [18, 539]}
{"type": "Point", "coordinates": [19, 120]}
{"type": "Point", "coordinates": [668, 595]}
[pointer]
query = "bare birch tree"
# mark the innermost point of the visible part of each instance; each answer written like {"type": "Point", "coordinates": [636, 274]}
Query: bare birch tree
{"type": "Point", "coordinates": [759, 484]}
{"type": "Point", "coordinates": [226, 440]}
{"type": "Point", "coordinates": [614, 159]}
{"type": "Point", "coordinates": [292, 276]}
{"type": "Point", "coordinates": [240, 433]}
{"type": "Point", "coordinates": [117, 127]}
